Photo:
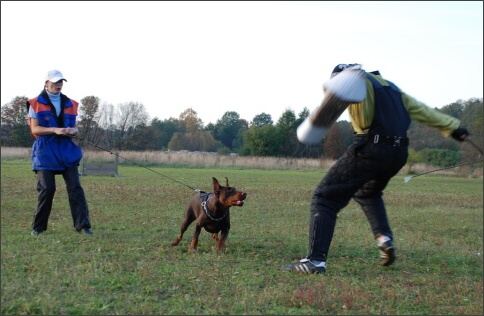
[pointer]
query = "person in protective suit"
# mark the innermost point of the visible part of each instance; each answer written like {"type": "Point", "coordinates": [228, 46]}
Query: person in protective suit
{"type": "Point", "coordinates": [52, 119]}
{"type": "Point", "coordinates": [379, 151]}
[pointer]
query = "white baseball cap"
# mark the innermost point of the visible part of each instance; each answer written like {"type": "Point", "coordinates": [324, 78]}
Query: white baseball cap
{"type": "Point", "coordinates": [54, 76]}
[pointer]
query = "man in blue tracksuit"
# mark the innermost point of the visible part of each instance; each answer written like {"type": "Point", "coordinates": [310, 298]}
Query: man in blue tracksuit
{"type": "Point", "coordinates": [379, 151]}
{"type": "Point", "coordinates": [52, 119]}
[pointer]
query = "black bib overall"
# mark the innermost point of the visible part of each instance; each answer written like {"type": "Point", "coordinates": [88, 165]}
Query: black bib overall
{"type": "Point", "coordinates": [362, 172]}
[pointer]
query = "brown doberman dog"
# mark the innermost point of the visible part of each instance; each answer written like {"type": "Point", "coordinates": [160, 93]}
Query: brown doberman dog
{"type": "Point", "coordinates": [210, 210]}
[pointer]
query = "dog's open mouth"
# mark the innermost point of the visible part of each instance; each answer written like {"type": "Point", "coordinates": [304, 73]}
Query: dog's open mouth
{"type": "Point", "coordinates": [237, 203]}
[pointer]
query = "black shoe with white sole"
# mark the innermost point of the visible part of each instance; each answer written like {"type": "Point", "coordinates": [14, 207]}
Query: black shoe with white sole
{"type": "Point", "coordinates": [306, 266]}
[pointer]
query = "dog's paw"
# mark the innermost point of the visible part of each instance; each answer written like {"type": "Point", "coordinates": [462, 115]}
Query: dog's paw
{"type": "Point", "coordinates": [215, 237]}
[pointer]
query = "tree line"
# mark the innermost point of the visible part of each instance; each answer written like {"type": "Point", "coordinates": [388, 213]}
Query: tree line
{"type": "Point", "coordinates": [127, 126]}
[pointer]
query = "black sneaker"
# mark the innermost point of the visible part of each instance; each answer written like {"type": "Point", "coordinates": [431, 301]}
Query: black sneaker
{"type": "Point", "coordinates": [306, 266]}
{"type": "Point", "coordinates": [387, 253]}
{"type": "Point", "coordinates": [86, 231]}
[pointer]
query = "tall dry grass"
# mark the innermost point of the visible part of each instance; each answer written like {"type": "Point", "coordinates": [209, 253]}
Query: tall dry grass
{"type": "Point", "coordinates": [211, 160]}
{"type": "Point", "coordinates": [185, 158]}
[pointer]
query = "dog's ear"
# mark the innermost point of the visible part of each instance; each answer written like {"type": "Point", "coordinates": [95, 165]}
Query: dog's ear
{"type": "Point", "coordinates": [216, 185]}
{"type": "Point", "coordinates": [227, 179]}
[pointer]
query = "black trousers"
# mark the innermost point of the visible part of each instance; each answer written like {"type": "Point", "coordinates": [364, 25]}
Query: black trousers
{"type": "Point", "coordinates": [46, 187]}
{"type": "Point", "coordinates": [361, 173]}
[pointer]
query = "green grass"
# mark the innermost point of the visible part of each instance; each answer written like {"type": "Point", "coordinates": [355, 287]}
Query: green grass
{"type": "Point", "coordinates": [128, 267]}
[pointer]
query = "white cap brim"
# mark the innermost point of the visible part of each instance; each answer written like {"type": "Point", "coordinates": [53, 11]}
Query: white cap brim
{"type": "Point", "coordinates": [56, 79]}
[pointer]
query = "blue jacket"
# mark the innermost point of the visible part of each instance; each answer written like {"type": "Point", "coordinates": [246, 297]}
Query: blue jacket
{"type": "Point", "coordinates": [54, 152]}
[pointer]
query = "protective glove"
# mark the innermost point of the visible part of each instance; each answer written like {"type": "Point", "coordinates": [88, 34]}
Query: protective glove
{"type": "Point", "coordinates": [460, 134]}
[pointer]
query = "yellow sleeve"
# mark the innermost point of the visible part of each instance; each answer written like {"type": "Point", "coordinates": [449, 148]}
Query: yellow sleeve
{"type": "Point", "coordinates": [361, 114]}
{"type": "Point", "coordinates": [424, 114]}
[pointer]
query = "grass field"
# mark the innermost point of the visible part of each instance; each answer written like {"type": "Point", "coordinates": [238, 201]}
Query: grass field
{"type": "Point", "coordinates": [128, 267]}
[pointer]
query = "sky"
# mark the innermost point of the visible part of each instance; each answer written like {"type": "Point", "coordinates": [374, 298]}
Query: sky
{"type": "Point", "coordinates": [249, 57]}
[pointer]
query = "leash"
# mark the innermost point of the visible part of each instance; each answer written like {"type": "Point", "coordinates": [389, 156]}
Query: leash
{"type": "Point", "coordinates": [462, 164]}
{"type": "Point", "coordinates": [454, 166]}
{"type": "Point", "coordinates": [112, 153]}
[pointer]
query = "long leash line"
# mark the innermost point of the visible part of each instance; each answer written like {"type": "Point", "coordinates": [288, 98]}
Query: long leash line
{"type": "Point", "coordinates": [198, 190]}
{"type": "Point", "coordinates": [112, 153]}
{"type": "Point", "coordinates": [454, 166]}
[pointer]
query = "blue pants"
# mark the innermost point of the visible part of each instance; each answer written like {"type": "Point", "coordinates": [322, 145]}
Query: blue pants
{"type": "Point", "coordinates": [46, 188]}
{"type": "Point", "coordinates": [361, 173]}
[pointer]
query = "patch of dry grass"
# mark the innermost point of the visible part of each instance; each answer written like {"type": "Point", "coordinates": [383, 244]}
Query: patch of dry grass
{"type": "Point", "coordinates": [211, 160]}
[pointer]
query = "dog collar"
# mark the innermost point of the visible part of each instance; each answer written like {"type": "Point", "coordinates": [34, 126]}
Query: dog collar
{"type": "Point", "coordinates": [207, 212]}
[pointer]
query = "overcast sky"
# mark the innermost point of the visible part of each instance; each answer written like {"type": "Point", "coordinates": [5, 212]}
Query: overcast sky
{"type": "Point", "coordinates": [250, 57]}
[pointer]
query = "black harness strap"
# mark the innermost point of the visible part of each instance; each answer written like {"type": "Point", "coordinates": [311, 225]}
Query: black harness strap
{"type": "Point", "coordinates": [205, 197]}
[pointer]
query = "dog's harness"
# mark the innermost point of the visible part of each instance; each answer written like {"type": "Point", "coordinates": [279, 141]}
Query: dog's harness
{"type": "Point", "coordinates": [205, 196]}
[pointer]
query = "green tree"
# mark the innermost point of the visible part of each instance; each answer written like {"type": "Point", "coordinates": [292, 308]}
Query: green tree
{"type": "Point", "coordinates": [286, 127]}
{"type": "Point", "coordinates": [440, 157]}
{"type": "Point", "coordinates": [261, 141]}
{"type": "Point", "coordinates": [15, 130]}
{"type": "Point", "coordinates": [414, 157]}
{"type": "Point", "coordinates": [455, 109]}
{"type": "Point", "coordinates": [472, 116]}
{"type": "Point", "coordinates": [143, 138]}
{"type": "Point", "coordinates": [261, 120]}
{"type": "Point", "coordinates": [473, 119]}
{"type": "Point", "coordinates": [229, 128]}
{"type": "Point", "coordinates": [166, 130]}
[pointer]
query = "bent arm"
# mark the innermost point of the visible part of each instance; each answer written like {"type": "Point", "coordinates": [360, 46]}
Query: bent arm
{"type": "Point", "coordinates": [37, 129]}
